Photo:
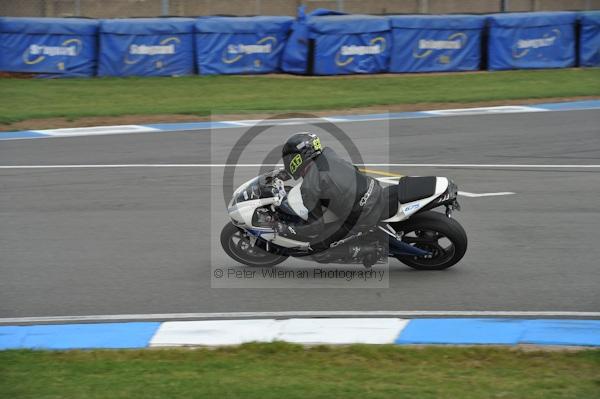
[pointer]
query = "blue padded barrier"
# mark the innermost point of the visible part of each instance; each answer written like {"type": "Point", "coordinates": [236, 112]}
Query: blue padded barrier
{"type": "Point", "coordinates": [436, 43]}
{"type": "Point", "coordinates": [589, 39]}
{"type": "Point", "coordinates": [146, 47]}
{"type": "Point", "coordinates": [51, 47]}
{"type": "Point", "coordinates": [240, 45]}
{"type": "Point", "coordinates": [347, 44]}
{"type": "Point", "coordinates": [531, 40]}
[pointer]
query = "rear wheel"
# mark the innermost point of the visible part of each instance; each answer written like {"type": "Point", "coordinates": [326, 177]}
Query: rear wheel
{"type": "Point", "coordinates": [236, 243]}
{"type": "Point", "coordinates": [436, 233]}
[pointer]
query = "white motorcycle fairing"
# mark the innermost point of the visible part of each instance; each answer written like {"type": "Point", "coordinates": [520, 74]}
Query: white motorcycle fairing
{"type": "Point", "coordinates": [413, 234]}
{"type": "Point", "coordinates": [242, 211]}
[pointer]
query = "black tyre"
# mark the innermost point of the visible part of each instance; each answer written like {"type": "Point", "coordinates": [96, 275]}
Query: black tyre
{"type": "Point", "coordinates": [444, 237]}
{"type": "Point", "coordinates": [236, 244]}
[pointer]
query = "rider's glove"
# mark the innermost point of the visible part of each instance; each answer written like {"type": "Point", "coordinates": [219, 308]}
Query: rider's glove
{"type": "Point", "coordinates": [283, 175]}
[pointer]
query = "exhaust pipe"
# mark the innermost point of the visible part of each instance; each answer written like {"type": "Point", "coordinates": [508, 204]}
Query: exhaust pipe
{"type": "Point", "coordinates": [401, 248]}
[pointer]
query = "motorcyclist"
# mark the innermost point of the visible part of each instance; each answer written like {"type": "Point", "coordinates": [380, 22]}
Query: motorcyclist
{"type": "Point", "coordinates": [328, 180]}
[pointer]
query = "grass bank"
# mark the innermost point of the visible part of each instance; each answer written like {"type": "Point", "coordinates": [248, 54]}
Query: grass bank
{"type": "Point", "coordinates": [282, 370]}
{"type": "Point", "coordinates": [23, 99]}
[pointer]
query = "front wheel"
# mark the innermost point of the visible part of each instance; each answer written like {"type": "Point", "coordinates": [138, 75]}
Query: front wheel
{"type": "Point", "coordinates": [436, 233]}
{"type": "Point", "coordinates": [236, 244]}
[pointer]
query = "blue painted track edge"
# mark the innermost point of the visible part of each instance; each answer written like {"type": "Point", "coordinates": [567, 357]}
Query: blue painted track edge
{"type": "Point", "coordinates": [174, 127]}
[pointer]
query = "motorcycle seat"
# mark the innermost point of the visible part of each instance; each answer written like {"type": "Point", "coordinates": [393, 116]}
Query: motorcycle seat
{"type": "Point", "coordinates": [411, 188]}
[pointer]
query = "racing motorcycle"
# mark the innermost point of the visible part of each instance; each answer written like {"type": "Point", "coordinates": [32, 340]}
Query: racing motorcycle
{"type": "Point", "coordinates": [415, 234]}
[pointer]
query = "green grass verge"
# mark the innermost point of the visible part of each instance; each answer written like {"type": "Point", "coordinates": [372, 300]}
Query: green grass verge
{"type": "Point", "coordinates": [282, 370]}
{"type": "Point", "coordinates": [72, 98]}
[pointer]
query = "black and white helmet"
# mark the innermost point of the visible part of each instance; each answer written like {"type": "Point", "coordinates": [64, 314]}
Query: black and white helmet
{"type": "Point", "coordinates": [297, 150]}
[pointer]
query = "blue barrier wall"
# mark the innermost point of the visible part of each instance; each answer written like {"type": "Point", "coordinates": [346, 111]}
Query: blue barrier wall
{"type": "Point", "coordinates": [238, 45]}
{"type": "Point", "coordinates": [324, 42]}
{"type": "Point", "coordinates": [589, 39]}
{"type": "Point", "coordinates": [531, 40]}
{"type": "Point", "coordinates": [433, 43]}
{"type": "Point", "coordinates": [146, 47]}
{"type": "Point", "coordinates": [296, 52]}
{"type": "Point", "coordinates": [346, 44]}
{"type": "Point", "coordinates": [49, 46]}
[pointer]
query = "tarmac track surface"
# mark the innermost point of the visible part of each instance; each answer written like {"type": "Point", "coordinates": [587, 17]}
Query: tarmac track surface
{"type": "Point", "coordinates": [142, 240]}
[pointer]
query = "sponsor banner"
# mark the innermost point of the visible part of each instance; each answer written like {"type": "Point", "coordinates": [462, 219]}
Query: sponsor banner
{"type": "Point", "coordinates": [240, 53]}
{"type": "Point", "coordinates": [357, 53]}
{"type": "Point", "coordinates": [48, 46]}
{"type": "Point", "coordinates": [250, 45]}
{"type": "Point", "coordinates": [147, 47]}
{"type": "Point", "coordinates": [531, 40]}
{"type": "Point", "coordinates": [436, 43]}
{"type": "Point", "coordinates": [346, 44]}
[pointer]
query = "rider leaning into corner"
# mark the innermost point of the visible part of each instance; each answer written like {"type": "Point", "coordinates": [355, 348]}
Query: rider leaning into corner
{"type": "Point", "coordinates": [356, 199]}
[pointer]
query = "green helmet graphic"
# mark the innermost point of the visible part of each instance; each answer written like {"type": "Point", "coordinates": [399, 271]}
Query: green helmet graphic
{"type": "Point", "coordinates": [297, 150]}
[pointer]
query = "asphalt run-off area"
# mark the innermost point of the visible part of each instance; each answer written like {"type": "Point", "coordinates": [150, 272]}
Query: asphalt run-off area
{"type": "Point", "coordinates": [128, 224]}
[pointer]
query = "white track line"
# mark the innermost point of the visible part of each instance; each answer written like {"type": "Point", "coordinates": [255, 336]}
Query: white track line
{"type": "Point", "coordinates": [503, 109]}
{"type": "Point", "coordinates": [159, 165]}
{"type": "Point", "coordinates": [292, 314]}
{"type": "Point", "coordinates": [474, 165]}
{"type": "Point", "coordinates": [191, 165]}
{"type": "Point", "coordinates": [476, 195]}
{"type": "Point", "coordinates": [97, 130]}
